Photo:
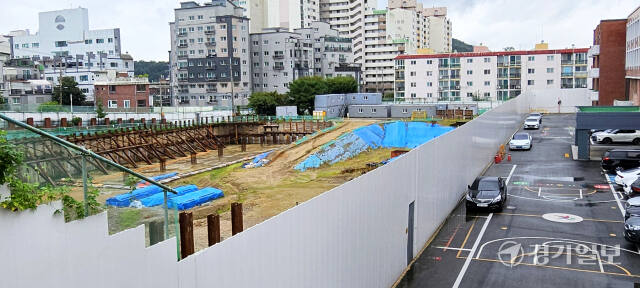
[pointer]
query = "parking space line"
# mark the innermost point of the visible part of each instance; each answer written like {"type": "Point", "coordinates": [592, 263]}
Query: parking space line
{"type": "Point", "coordinates": [613, 192]}
{"type": "Point", "coordinates": [464, 242]}
{"type": "Point", "coordinates": [539, 191]}
{"type": "Point", "coordinates": [510, 174]}
{"type": "Point", "coordinates": [452, 248]}
{"type": "Point", "coordinates": [475, 245]}
{"type": "Point", "coordinates": [580, 193]}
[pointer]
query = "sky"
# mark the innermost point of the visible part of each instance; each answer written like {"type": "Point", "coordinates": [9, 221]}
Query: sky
{"type": "Point", "coordinates": [497, 24]}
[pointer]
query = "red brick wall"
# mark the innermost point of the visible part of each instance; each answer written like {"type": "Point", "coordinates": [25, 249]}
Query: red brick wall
{"type": "Point", "coordinates": [123, 92]}
{"type": "Point", "coordinates": [612, 41]}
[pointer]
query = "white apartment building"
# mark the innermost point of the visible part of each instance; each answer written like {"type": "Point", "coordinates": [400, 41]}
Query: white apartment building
{"type": "Point", "coordinates": [65, 42]}
{"type": "Point", "coordinates": [209, 54]}
{"type": "Point", "coordinates": [279, 56]}
{"type": "Point", "coordinates": [289, 14]}
{"type": "Point", "coordinates": [406, 28]}
{"type": "Point", "coordinates": [488, 75]}
{"type": "Point", "coordinates": [348, 18]}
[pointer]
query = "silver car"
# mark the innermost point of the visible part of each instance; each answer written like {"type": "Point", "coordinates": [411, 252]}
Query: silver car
{"type": "Point", "coordinates": [520, 141]}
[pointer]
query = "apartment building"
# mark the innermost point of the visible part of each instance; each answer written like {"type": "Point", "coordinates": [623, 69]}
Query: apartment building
{"type": "Point", "coordinates": [121, 92]}
{"type": "Point", "coordinates": [289, 14]}
{"type": "Point", "coordinates": [489, 75]}
{"type": "Point", "coordinates": [279, 56]}
{"type": "Point", "coordinates": [66, 46]}
{"type": "Point", "coordinates": [348, 18]}
{"type": "Point", "coordinates": [209, 55]}
{"type": "Point", "coordinates": [405, 28]}
{"type": "Point", "coordinates": [608, 54]}
{"type": "Point", "coordinates": [632, 59]}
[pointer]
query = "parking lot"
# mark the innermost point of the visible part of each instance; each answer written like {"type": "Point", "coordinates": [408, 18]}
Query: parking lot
{"type": "Point", "coordinates": [562, 226]}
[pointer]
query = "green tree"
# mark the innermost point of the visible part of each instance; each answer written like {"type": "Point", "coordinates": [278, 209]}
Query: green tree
{"type": "Point", "coordinates": [10, 158]}
{"type": "Point", "coordinates": [69, 87]}
{"type": "Point", "coordinates": [264, 103]}
{"type": "Point", "coordinates": [100, 111]}
{"type": "Point", "coordinates": [387, 96]}
{"type": "Point", "coordinates": [342, 84]}
{"type": "Point", "coordinates": [303, 91]}
{"type": "Point", "coordinates": [156, 71]}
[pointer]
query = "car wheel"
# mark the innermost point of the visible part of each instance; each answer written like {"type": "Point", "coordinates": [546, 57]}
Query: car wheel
{"type": "Point", "coordinates": [606, 140]}
{"type": "Point", "coordinates": [636, 141]}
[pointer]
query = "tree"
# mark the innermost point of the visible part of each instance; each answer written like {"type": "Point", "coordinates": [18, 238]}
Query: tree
{"type": "Point", "coordinates": [100, 111]}
{"type": "Point", "coordinates": [156, 71]}
{"type": "Point", "coordinates": [69, 87]}
{"type": "Point", "coordinates": [303, 91]}
{"type": "Point", "coordinates": [264, 103]}
{"type": "Point", "coordinates": [460, 46]}
{"type": "Point", "coordinates": [342, 84]}
{"type": "Point", "coordinates": [51, 106]}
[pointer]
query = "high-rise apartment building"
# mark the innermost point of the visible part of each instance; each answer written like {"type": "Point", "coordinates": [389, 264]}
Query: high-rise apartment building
{"type": "Point", "coordinates": [608, 53]}
{"type": "Point", "coordinates": [405, 28]}
{"type": "Point", "coordinates": [488, 76]}
{"type": "Point", "coordinates": [348, 18]}
{"type": "Point", "coordinates": [632, 64]}
{"type": "Point", "coordinates": [66, 47]}
{"type": "Point", "coordinates": [289, 14]}
{"type": "Point", "coordinates": [279, 56]}
{"type": "Point", "coordinates": [209, 54]}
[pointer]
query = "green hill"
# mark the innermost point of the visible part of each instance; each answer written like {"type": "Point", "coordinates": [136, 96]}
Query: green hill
{"type": "Point", "coordinates": [459, 46]}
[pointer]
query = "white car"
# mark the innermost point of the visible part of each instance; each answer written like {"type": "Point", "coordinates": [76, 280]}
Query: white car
{"type": "Point", "coordinates": [626, 183]}
{"type": "Point", "coordinates": [531, 123]}
{"type": "Point", "coordinates": [520, 141]}
{"type": "Point", "coordinates": [633, 202]}
{"type": "Point", "coordinates": [536, 115]}
{"type": "Point", "coordinates": [617, 135]}
{"type": "Point", "coordinates": [621, 174]}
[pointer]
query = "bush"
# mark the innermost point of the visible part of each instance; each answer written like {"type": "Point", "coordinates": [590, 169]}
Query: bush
{"type": "Point", "coordinates": [76, 120]}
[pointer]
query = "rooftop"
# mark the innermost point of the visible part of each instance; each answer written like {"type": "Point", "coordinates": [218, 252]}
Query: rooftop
{"type": "Point", "coordinates": [497, 53]}
{"type": "Point", "coordinates": [595, 109]}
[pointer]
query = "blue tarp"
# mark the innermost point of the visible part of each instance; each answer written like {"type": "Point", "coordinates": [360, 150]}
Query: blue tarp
{"type": "Point", "coordinates": [194, 199]}
{"type": "Point", "coordinates": [397, 134]}
{"type": "Point", "coordinates": [158, 198]}
{"type": "Point", "coordinates": [123, 200]}
{"type": "Point", "coordinates": [160, 177]}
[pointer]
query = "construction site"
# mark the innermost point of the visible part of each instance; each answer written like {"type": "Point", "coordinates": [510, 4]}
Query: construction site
{"type": "Point", "coordinates": [267, 165]}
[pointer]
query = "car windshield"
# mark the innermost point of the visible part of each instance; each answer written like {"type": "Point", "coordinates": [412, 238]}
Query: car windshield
{"type": "Point", "coordinates": [531, 120]}
{"type": "Point", "coordinates": [520, 137]}
{"type": "Point", "coordinates": [535, 114]}
{"type": "Point", "coordinates": [485, 184]}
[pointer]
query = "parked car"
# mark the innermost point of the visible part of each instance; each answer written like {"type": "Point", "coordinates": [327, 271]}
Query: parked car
{"type": "Point", "coordinates": [622, 158]}
{"type": "Point", "coordinates": [520, 141]}
{"type": "Point", "coordinates": [631, 186]}
{"type": "Point", "coordinates": [531, 123]}
{"type": "Point", "coordinates": [631, 211]}
{"type": "Point", "coordinates": [536, 115]}
{"type": "Point", "coordinates": [632, 202]}
{"type": "Point", "coordinates": [632, 229]}
{"type": "Point", "coordinates": [487, 192]}
{"type": "Point", "coordinates": [621, 174]}
{"type": "Point", "coordinates": [617, 135]}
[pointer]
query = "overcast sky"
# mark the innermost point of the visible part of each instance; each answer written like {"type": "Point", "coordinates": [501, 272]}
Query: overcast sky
{"type": "Point", "coordinates": [144, 24]}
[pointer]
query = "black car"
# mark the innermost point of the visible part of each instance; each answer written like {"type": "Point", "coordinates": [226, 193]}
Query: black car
{"type": "Point", "coordinates": [487, 193]}
{"type": "Point", "coordinates": [632, 229]}
{"type": "Point", "coordinates": [620, 158]}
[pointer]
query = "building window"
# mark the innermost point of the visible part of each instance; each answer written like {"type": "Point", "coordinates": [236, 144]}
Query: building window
{"type": "Point", "coordinates": [413, 95]}
{"type": "Point", "coordinates": [413, 84]}
{"type": "Point", "coordinates": [469, 72]}
{"type": "Point", "coordinates": [112, 88]}
{"type": "Point", "coordinates": [141, 88]}
{"type": "Point", "coordinates": [469, 60]}
{"type": "Point", "coordinates": [429, 84]}
{"type": "Point", "coordinates": [59, 44]}
{"type": "Point", "coordinates": [429, 73]}
{"type": "Point", "coordinates": [530, 82]}
{"type": "Point", "coordinates": [127, 103]}
{"type": "Point", "coordinates": [373, 110]}
{"type": "Point", "coordinates": [35, 45]}
{"type": "Point", "coordinates": [469, 94]}
{"type": "Point", "coordinates": [531, 58]}
{"type": "Point", "coordinates": [470, 83]}
{"type": "Point", "coordinates": [113, 104]}
{"type": "Point", "coordinates": [16, 100]}
{"type": "Point", "coordinates": [487, 83]}
{"type": "Point", "coordinates": [550, 82]}
{"type": "Point", "coordinates": [487, 60]}
{"type": "Point", "coordinates": [429, 61]}
{"type": "Point", "coordinates": [404, 110]}
{"type": "Point", "coordinates": [549, 70]}
{"type": "Point", "coordinates": [84, 78]}
{"type": "Point", "coordinates": [487, 71]}
{"type": "Point", "coordinates": [531, 71]}
{"type": "Point", "coordinates": [429, 95]}
{"type": "Point", "coordinates": [110, 40]}
{"type": "Point", "coordinates": [99, 40]}
{"type": "Point", "coordinates": [487, 94]}
{"type": "Point", "coordinates": [413, 62]}
{"type": "Point", "coordinates": [412, 73]}
{"type": "Point", "coordinates": [549, 57]}
{"type": "Point", "coordinates": [359, 110]}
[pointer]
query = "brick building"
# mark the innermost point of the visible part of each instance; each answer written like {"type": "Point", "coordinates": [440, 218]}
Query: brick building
{"type": "Point", "coordinates": [119, 92]}
{"type": "Point", "coordinates": [632, 65]}
{"type": "Point", "coordinates": [608, 52]}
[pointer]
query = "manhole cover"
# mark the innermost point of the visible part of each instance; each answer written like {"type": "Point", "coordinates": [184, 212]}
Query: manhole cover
{"type": "Point", "coordinates": [562, 218]}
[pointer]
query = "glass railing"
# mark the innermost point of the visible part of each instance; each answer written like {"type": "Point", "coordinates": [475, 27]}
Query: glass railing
{"type": "Point", "coordinates": [53, 169]}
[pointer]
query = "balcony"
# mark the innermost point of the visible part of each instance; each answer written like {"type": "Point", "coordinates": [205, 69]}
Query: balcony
{"type": "Point", "coordinates": [581, 62]}
{"type": "Point", "coordinates": [581, 85]}
{"type": "Point", "coordinates": [209, 32]}
{"type": "Point", "coordinates": [184, 101]}
{"type": "Point", "coordinates": [455, 76]}
{"type": "Point", "coordinates": [594, 73]}
{"type": "Point", "coordinates": [581, 74]}
{"type": "Point", "coordinates": [443, 77]}
{"type": "Point", "coordinates": [184, 56]}
{"type": "Point", "coordinates": [183, 91]}
{"type": "Point", "coordinates": [212, 90]}
{"type": "Point", "coordinates": [455, 65]}
{"type": "Point", "coordinates": [566, 62]}
{"type": "Point", "coordinates": [502, 87]}
{"type": "Point", "coordinates": [502, 64]}
{"type": "Point", "coordinates": [183, 68]}
{"type": "Point", "coordinates": [445, 88]}
{"type": "Point", "coordinates": [211, 79]}
{"type": "Point", "coordinates": [183, 79]}
{"type": "Point", "coordinates": [594, 51]}
{"type": "Point", "coordinates": [566, 85]}
{"type": "Point", "coordinates": [278, 56]}
{"type": "Point", "coordinates": [503, 75]}
{"type": "Point", "coordinates": [567, 74]}
{"type": "Point", "coordinates": [514, 75]}
{"type": "Point", "coordinates": [182, 34]}
{"type": "Point", "coordinates": [514, 63]}
{"type": "Point", "coordinates": [183, 45]}
{"type": "Point", "coordinates": [454, 87]}
{"type": "Point", "coordinates": [516, 87]}
{"type": "Point", "coordinates": [278, 67]}
{"type": "Point", "coordinates": [210, 67]}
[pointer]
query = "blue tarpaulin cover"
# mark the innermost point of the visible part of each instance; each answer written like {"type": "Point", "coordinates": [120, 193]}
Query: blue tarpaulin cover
{"type": "Point", "coordinates": [158, 198]}
{"type": "Point", "coordinates": [123, 200]}
{"type": "Point", "coordinates": [196, 198]}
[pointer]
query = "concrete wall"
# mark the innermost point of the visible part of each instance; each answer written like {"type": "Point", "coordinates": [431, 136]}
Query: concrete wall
{"type": "Point", "coordinates": [354, 235]}
{"type": "Point", "coordinates": [546, 100]}
{"type": "Point", "coordinates": [38, 117]}
{"type": "Point", "coordinates": [405, 110]}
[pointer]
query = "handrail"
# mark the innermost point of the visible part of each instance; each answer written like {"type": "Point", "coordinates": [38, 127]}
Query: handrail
{"type": "Point", "coordinates": [86, 152]}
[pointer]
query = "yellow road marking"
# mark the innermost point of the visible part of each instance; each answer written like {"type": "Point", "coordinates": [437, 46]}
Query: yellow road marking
{"type": "Point", "coordinates": [467, 237]}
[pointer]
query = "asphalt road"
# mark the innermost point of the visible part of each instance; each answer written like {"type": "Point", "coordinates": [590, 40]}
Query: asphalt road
{"type": "Point", "coordinates": [562, 227]}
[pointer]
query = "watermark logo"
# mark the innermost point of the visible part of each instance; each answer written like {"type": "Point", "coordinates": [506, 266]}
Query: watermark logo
{"type": "Point", "coordinates": [510, 253]}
